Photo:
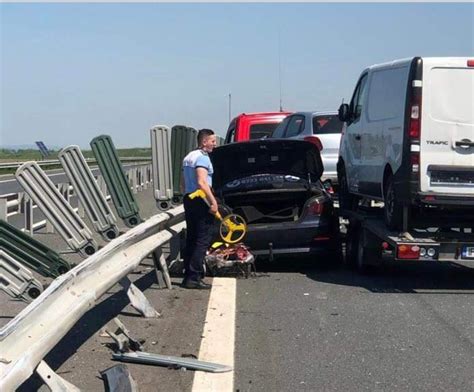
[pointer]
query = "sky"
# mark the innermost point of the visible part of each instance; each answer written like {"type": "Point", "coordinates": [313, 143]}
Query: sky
{"type": "Point", "coordinates": [70, 72]}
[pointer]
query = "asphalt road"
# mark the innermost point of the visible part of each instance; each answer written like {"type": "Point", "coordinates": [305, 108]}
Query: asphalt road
{"type": "Point", "coordinates": [304, 327]}
{"type": "Point", "coordinates": [300, 326]}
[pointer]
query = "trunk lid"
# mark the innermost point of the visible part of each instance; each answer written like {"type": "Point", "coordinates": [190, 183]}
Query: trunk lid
{"type": "Point", "coordinates": [258, 162]}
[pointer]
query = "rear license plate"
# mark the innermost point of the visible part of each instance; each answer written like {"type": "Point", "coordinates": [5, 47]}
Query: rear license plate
{"type": "Point", "coordinates": [468, 252]}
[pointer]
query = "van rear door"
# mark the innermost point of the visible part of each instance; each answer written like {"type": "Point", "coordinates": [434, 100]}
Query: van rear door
{"type": "Point", "coordinates": [447, 126]}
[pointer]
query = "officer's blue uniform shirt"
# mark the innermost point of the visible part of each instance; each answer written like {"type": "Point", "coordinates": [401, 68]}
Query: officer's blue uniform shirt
{"type": "Point", "coordinates": [195, 159]}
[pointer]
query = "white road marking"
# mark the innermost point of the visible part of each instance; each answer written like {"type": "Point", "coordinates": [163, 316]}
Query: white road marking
{"type": "Point", "coordinates": [219, 337]}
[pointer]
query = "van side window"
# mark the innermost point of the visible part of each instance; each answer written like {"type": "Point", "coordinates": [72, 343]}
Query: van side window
{"type": "Point", "coordinates": [387, 92]}
{"type": "Point", "coordinates": [295, 126]}
{"type": "Point", "coordinates": [358, 99]}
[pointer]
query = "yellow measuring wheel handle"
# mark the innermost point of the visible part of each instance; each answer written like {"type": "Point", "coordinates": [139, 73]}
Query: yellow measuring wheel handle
{"type": "Point", "coordinates": [227, 222]}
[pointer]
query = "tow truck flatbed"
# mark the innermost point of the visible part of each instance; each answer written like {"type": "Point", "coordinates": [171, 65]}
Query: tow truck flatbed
{"type": "Point", "coordinates": [370, 242]}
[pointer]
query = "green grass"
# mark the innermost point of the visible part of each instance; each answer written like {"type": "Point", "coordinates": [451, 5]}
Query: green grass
{"type": "Point", "coordinates": [7, 155]}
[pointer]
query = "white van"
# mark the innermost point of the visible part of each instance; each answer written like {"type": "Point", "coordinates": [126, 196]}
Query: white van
{"type": "Point", "coordinates": [408, 138]}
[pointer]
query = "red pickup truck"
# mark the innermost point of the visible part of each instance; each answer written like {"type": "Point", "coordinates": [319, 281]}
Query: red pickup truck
{"type": "Point", "coordinates": [247, 126]}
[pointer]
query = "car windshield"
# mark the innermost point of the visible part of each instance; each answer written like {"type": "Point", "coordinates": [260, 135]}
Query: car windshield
{"type": "Point", "coordinates": [323, 124]}
{"type": "Point", "coordinates": [257, 131]}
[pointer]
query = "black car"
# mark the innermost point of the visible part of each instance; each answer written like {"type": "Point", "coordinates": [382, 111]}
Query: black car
{"type": "Point", "coordinates": [275, 186]}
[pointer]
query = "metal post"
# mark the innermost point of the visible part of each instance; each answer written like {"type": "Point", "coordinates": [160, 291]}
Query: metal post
{"type": "Point", "coordinates": [161, 268]}
{"type": "Point", "coordinates": [3, 208]}
{"type": "Point", "coordinates": [133, 174]}
{"type": "Point", "coordinates": [28, 212]}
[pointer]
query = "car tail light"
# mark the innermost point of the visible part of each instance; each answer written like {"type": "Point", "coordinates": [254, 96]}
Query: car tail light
{"type": "Point", "coordinates": [316, 207]}
{"type": "Point", "coordinates": [315, 140]}
{"type": "Point", "coordinates": [470, 63]}
{"type": "Point", "coordinates": [411, 252]}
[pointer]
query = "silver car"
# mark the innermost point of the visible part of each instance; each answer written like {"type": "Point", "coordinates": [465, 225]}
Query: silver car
{"type": "Point", "coordinates": [311, 126]}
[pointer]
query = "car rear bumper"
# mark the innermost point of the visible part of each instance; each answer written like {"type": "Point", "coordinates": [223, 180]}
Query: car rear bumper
{"type": "Point", "coordinates": [291, 238]}
{"type": "Point", "coordinates": [448, 199]}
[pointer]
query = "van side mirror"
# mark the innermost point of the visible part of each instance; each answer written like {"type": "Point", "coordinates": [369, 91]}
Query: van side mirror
{"type": "Point", "coordinates": [344, 112]}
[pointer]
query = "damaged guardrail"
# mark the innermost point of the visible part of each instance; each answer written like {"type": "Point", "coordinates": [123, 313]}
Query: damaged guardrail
{"type": "Point", "coordinates": [117, 184]}
{"type": "Point", "coordinates": [162, 173]}
{"type": "Point", "coordinates": [88, 191]}
{"type": "Point", "coordinates": [56, 208]}
{"type": "Point", "coordinates": [26, 339]}
{"type": "Point", "coordinates": [30, 252]}
{"type": "Point", "coordinates": [16, 280]}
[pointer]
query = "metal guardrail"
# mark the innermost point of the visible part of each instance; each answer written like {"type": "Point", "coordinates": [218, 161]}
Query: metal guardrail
{"type": "Point", "coordinates": [53, 162]}
{"type": "Point", "coordinates": [26, 339]}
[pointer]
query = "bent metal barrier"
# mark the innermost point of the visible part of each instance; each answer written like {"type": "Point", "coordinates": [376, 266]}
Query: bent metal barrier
{"type": "Point", "coordinates": [114, 176]}
{"type": "Point", "coordinates": [26, 339]}
{"type": "Point", "coordinates": [160, 136]}
{"type": "Point", "coordinates": [92, 199]}
{"type": "Point", "coordinates": [56, 208]}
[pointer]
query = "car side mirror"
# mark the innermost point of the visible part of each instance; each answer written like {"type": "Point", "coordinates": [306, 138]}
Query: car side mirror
{"type": "Point", "coordinates": [344, 112]}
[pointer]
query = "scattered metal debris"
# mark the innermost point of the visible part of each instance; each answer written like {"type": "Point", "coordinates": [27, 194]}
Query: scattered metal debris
{"type": "Point", "coordinates": [167, 360]}
{"type": "Point", "coordinates": [118, 379]}
{"type": "Point", "coordinates": [130, 350]}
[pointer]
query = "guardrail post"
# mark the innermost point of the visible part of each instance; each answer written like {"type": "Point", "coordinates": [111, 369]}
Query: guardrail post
{"type": "Point", "coordinates": [28, 212]}
{"type": "Point", "coordinates": [161, 268]}
{"type": "Point", "coordinates": [3, 209]}
{"type": "Point", "coordinates": [144, 177]}
{"type": "Point", "coordinates": [133, 175]}
{"type": "Point", "coordinates": [138, 299]}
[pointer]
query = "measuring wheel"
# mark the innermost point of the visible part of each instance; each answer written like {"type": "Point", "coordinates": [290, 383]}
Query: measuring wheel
{"type": "Point", "coordinates": [233, 228]}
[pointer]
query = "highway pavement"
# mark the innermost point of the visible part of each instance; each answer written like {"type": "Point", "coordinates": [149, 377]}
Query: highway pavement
{"type": "Point", "coordinates": [300, 325]}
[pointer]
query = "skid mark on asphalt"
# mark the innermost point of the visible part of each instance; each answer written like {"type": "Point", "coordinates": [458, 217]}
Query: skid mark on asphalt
{"type": "Point", "coordinates": [219, 336]}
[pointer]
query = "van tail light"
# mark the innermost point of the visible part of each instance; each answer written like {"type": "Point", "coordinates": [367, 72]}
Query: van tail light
{"type": "Point", "coordinates": [316, 207]}
{"type": "Point", "coordinates": [415, 115]}
{"type": "Point", "coordinates": [408, 252]}
{"type": "Point", "coordinates": [470, 63]}
{"type": "Point", "coordinates": [315, 140]}
{"type": "Point", "coordinates": [415, 162]}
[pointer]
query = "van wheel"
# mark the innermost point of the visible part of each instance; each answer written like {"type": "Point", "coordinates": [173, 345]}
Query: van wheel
{"type": "Point", "coordinates": [347, 201]}
{"type": "Point", "coordinates": [393, 210]}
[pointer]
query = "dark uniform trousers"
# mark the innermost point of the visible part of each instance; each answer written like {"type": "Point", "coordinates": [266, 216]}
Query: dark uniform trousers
{"type": "Point", "coordinates": [199, 231]}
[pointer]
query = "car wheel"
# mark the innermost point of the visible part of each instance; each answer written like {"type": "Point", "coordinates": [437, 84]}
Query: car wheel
{"type": "Point", "coordinates": [393, 210]}
{"type": "Point", "coordinates": [347, 201]}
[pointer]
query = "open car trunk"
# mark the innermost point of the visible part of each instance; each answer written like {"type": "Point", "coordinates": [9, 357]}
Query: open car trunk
{"type": "Point", "coordinates": [268, 207]}
{"type": "Point", "coordinates": [267, 181]}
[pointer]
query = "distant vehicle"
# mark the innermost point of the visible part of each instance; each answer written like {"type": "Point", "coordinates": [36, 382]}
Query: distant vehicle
{"type": "Point", "coordinates": [250, 126]}
{"type": "Point", "coordinates": [409, 138]}
{"type": "Point", "coordinates": [321, 128]}
{"type": "Point", "coordinates": [275, 186]}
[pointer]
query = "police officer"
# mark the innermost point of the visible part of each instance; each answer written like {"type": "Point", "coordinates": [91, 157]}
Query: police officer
{"type": "Point", "coordinates": [197, 174]}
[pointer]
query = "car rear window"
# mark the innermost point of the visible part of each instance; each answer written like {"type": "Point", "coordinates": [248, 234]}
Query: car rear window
{"type": "Point", "coordinates": [257, 131]}
{"type": "Point", "coordinates": [327, 124]}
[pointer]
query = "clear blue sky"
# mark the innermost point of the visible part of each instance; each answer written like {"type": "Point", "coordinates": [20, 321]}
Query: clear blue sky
{"type": "Point", "coordinates": [72, 71]}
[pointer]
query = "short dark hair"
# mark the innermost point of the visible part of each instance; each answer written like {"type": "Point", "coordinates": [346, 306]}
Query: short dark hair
{"type": "Point", "coordinates": [203, 133]}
